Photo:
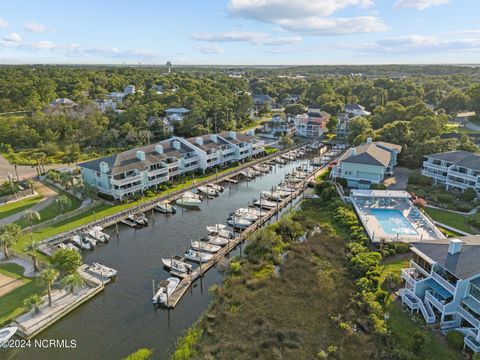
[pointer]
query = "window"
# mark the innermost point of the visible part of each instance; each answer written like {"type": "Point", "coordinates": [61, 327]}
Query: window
{"type": "Point", "coordinates": [348, 173]}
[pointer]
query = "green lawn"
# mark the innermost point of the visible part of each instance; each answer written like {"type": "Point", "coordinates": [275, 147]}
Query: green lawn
{"type": "Point", "coordinates": [393, 266]}
{"type": "Point", "coordinates": [12, 303]}
{"type": "Point", "coordinates": [51, 211]}
{"type": "Point", "coordinates": [18, 206]}
{"type": "Point", "coordinates": [456, 221]}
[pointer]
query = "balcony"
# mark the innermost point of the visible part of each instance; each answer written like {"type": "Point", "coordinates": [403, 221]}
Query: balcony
{"type": "Point", "coordinates": [462, 175]}
{"type": "Point", "coordinates": [163, 170]}
{"type": "Point", "coordinates": [468, 314]}
{"type": "Point", "coordinates": [435, 299]}
{"type": "Point", "coordinates": [127, 180]}
{"type": "Point", "coordinates": [123, 192]}
{"type": "Point", "coordinates": [411, 276]}
{"type": "Point", "coordinates": [472, 343]}
{"type": "Point", "coordinates": [158, 180]}
{"type": "Point", "coordinates": [190, 159]}
{"type": "Point", "coordinates": [427, 172]}
{"type": "Point", "coordinates": [443, 282]}
{"type": "Point", "coordinates": [409, 298]}
{"type": "Point", "coordinates": [433, 166]}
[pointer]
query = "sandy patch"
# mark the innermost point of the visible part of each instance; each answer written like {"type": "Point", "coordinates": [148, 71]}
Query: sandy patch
{"type": "Point", "coordinates": [8, 284]}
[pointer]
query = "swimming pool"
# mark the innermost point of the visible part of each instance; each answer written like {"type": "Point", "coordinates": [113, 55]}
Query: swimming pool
{"type": "Point", "coordinates": [393, 222]}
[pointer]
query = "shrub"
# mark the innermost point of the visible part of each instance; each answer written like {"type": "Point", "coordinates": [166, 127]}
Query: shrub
{"type": "Point", "coordinates": [468, 195]}
{"type": "Point", "coordinates": [378, 187]}
{"type": "Point", "coordinates": [445, 198]}
{"type": "Point", "coordinates": [402, 248]}
{"type": "Point", "coordinates": [104, 196]}
{"type": "Point", "coordinates": [418, 341]}
{"type": "Point", "coordinates": [140, 354]}
{"type": "Point", "coordinates": [419, 180]}
{"type": "Point", "coordinates": [455, 340]}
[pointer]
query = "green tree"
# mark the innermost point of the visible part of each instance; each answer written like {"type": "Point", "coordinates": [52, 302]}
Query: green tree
{"type": "Point", "coordinates": [48, 277]}
{"type": "Point", "coordinates": [286, 141]}
{"type": "Point", "coordinates": [32, 248]}
{"type": "Point", "coordinates": [33, 302]}
{"type": "Point", "coordinates": [8, 236]}
{"type": "Point", "coordinates": [71, 282]}
{"type": "Point", "coordinates": [62, 203]}
{"type": "Point", "coordinates": [66, 261]}
{"type": "Point", "coordinates": [359, 126]}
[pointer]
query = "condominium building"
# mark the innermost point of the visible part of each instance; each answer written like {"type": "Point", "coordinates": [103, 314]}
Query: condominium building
{"type": "Point", "coordinates": [443, 283]}
{"type": "Point", "coordinates": [453, 169]}
{"type": "Point", "coordinates": [136, 170]}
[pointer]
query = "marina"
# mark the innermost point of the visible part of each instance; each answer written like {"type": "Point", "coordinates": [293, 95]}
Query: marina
{"type": "Point", "coordinates": [137, 254]}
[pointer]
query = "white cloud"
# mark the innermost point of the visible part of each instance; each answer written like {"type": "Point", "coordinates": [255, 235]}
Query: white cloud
{"type": "Point", "coordinates": [254, 38]}
{"type": "Point", "coordinates": [210, 49]}
{"type": "Point", "coordinates": [335, 26]}
{"type": "Point", "coordinates": [272, 10]}
{"type": "Point", "coordinates": [419, 4]}
{"type": "Point", "coordinates": [308, 16]}
{"type": "Point", "coordinates": [416, 44]}
{"type": "Point", "coordinates": [13, 37]}
{"type": "Point", "coordinates": [36, 27]}
{"type": "Point", "coordinates": [3, 23]}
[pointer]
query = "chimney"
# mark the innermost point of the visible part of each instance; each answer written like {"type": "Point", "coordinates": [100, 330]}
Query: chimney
{"type": "Point", "coordinates": [213, 137]}
{"type": "Point", "coordinates": [232, 134]}
{"type": "Point", "coordinates": [353, 151]}
{"type": "Point", "coordinates": [159, 148]}
{"type": "Point", "coordinates": [251, 132]}
{"type": "Point", "coordinates": [103, 167]}
{"type": "Point", "coordinates": [141, 155]}
{"type": "Point", "coordinates": [199, 140]}
{"type": "Point", "coordinates": [176, 144]}
{"type": "Point", "coordinates": [369, 140]}
{"type": "Point", "coordinates": [455, 246]}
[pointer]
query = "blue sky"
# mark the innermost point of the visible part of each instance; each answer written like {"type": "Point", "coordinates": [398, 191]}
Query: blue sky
{"type": "Point", "coordinates": [251, 32]}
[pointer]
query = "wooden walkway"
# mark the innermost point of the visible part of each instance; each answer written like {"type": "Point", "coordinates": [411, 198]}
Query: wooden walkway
{"type": "Point", "coordinates": [187, 280]}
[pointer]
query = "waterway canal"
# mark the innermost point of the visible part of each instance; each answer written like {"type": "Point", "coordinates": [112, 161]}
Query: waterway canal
{"type": "Point", "coordinates": [122, 319]}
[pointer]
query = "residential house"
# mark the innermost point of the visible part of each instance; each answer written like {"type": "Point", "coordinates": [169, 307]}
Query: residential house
{"type": "Point", "coordinates": [260, 99]}
{"type": "Point", "coordinates": [176, 114]}
{"type": "Point", "coordinates": [133, 171]}
{"type": "Point", "coordinates": [106, 104]}
{"type": "Point", "coordinates": [312, 124]}
{"type": "Point", "coordinates": [356, 110]}
{"type": "Point", "coordinates": [158, 88]}
{"type": "Point", "coordinates": [443, 284]}
{"type": "Point", "coordinates": [64, 102]}
{"type": "Point", "coordinates": [118, 97]}
{"type": "Point", "coordinates": [344, 120]}
{"type": "Point", "coordinates": [366, 164]}
{"type": "Point", "coordinates": [163, 120]}
{"type": "Point", "coordinates": [453, 169]}
{"type": "Point", "coordinates": [278, 126]}
{"type": "Point", "coordinates": [129, 90]}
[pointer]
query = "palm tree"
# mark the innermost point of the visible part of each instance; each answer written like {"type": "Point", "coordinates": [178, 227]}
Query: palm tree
{"type": "Point", "coordinates": [8, 236]}
{"type": "Point", "coordinates": [33, 252]}
{"type": "Point", "coordinates": [71, 282]}
{"type": "Point", "coordinates": [66, 179]}
{"type": "Point", "coordinates": [33, 302]}
{"type": "Point", "coordinates": [48, 277]}
{"type": "Point", "coordinates": [39, 157]}
{"type": "Point", "coordinates": [62, 203]}
{"type": "Point", "coordinates": [15, 160]}
{"type": "Point", "coordinates": [30, 216]}
{"type": "Point", "coordinates": [31, 185]}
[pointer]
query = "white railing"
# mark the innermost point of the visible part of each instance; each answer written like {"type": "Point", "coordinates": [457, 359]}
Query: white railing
{"type": "Point", "coordinates": [122, 192]}
{"type": "Point", "coordinates": [472, 343]}
{"type": "Point", "coordinates": [406, 275]}
{"type": "Point", "coordinates": [427, 312]}
{"type": "Point", "coordinates": [469, 317]}
{"type": "Point", "coordinates": [409, 298]}
{"type": "Point", "coordinates": [433, 166]}
{"type": "Point", "coordinates": [158, 172]}
{"type": "Point", "coordinates": [462, 175]}
{"type": "Point", "coordinates": [126, 180]}
{"type": "Point", "coordinates": [430, 297]}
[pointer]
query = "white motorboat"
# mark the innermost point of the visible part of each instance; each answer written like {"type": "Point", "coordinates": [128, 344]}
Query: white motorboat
{"type": "Point", "coordinates": [102, 271]}
{"type": "Point", "coordinates": [208, 191]}
{"type": "Point", "coordinates": [265, 204]}
{"type": "Point", "coordinates": [205, 246]}
{"type": "Point", "coordinates": [217, 187]}
{"type": "Point", "coordinates": [165, 289]}
{"type": "Point", "coordinates": [247, 174]}
{"type": "Point", "coordinates": [90, 239]}
{"type": "Point", "coordinates": [198, 256]}
{"type": "Point", "coordinates": [280, 161]}
{"type": "Point", "coordinates": [246, 214]}
{"type": "Point", "coordinates": [7, 333]}
{"type": "Point", "coordinates": [217, 240]}
{"type": "Point", "coordinates": [238, 222]}
{"type": "Point", "coordinates": [81, 242]}
{"type": "Point", "coordinates": [177, 263]}
{"type": "Point", "coordinates": [221, 231]}
{"type": "Point", "coordinates": [138, 218]}
{"type": "Point", "coordinates": [97, 234]}
{"type": "Point", "coordinates": [272, 195]}
{"type": "Point", "coordinates": [68, 246]}
{"type": "Point", "coordinates": [189, 199]}
{"type": "Point", "coordinates": [165, 207]}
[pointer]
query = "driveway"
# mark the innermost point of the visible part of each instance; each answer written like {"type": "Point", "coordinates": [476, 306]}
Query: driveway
{"type": "Point", "coordinates": [399, 180]}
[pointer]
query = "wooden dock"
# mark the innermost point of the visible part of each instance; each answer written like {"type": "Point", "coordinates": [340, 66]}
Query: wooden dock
{"type": "Point", "coordinates": [188, 279]}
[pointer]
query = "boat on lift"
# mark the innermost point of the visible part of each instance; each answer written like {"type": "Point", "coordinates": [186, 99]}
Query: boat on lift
{"type": "Point", "coordinates": [165, 290]}
{"type": "Point", "coordinates": [189, 199]}
{"type": "Point", "coordinates": [81, 242]}
{"type": "Point", "coordinates": [177, 263]}
{"type": "Point", "coordinates": [138, 218]}
{"type": "Point", "coordinates": [208, 191]}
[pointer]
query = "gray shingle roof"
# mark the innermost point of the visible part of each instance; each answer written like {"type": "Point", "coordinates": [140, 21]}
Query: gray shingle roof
{"type": "Point", "coordinates": [471, 161]}
{"type": "Point", "coordinates": [450, 156]}
{"type": "Point", "coordinates": [464, 264]}
{"type": "Point", "coordinates": [368, 154]}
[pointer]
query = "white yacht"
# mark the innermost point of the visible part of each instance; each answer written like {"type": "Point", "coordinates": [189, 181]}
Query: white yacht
{"type": "Point", "coordinates": [69, 246]}
{"type": "Point", "coordinates": [216, 187]}
{"type": "Point", "coordinates": [165, 207]}
{"type": "Point", "coordinates": [165, 289]}
{"type": "Point", "coordinates": [246, 214]}
{"type": "Point", "coordinates": [208, 191]}
{"type": "Point", "coordinates": [81, 242]}
{"type": "Point", "coordinates": [189, 199]}
{"type": "Point", "coordinates": [97, 233]}
{"type": "Point", "coordinates": [139, 218]}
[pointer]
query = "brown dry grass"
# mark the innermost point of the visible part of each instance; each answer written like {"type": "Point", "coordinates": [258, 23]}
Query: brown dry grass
{"type": "Point", "coordinates": [8, 284]}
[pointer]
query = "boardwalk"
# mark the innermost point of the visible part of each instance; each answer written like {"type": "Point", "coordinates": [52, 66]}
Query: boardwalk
{"type": "Point", "coordinates": [187, 280]}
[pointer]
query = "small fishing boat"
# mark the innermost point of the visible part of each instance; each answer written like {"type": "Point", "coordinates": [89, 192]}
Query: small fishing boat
{"type": "Point", "coordinates": [198, 256]}
{"type": "Point", "coordinates": [272, 195]}
{"type": "Point", "coordinates": [102, 271]}
{"type": "Point", "coordinates": [216, 187]}
{"type": "Point", "coordinates": [138, 218]}
{"type": "Point", "coordinates": [177, 263]}
{"type": "Point", "coordinates": [265, 204]}
{"type": "Point", "coordinates": [7, 333]}
{"type": "Point", "coordinates": [189, 199]}
{"type": "Point", "coordinates": [165, 289]}
{"type": "Point", "coordinates": [217, 240]}
{"type": "Point", "coordinates": [280, 161]}
{"type": "Point", "coordinates": [97, 233]}
{"type": "Point", "coordinates": [208, 191]}
{"type": "Point", "coordinates": [247, 174]}
{"type": "Point", "coordinates": [81, 242]}
{"type": "Point", "coordinates": [165, 208]}
{"type": "Point", "coordinates": [221, 231]}
{"type": "Point", "coordinates": [68, 246]}
{"type": "Point", "coordinates": [205, 246]}
{"type": "Point", "coordinates": [246, 214]}
{"type": "Point", "coordinates": [238, 222]}
{"type": "Point", "coordinates": [90, 239]}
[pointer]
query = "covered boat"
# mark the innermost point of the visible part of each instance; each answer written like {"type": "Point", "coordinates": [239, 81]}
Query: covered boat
{"type": "Point", "coordinates": [165, 289]}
